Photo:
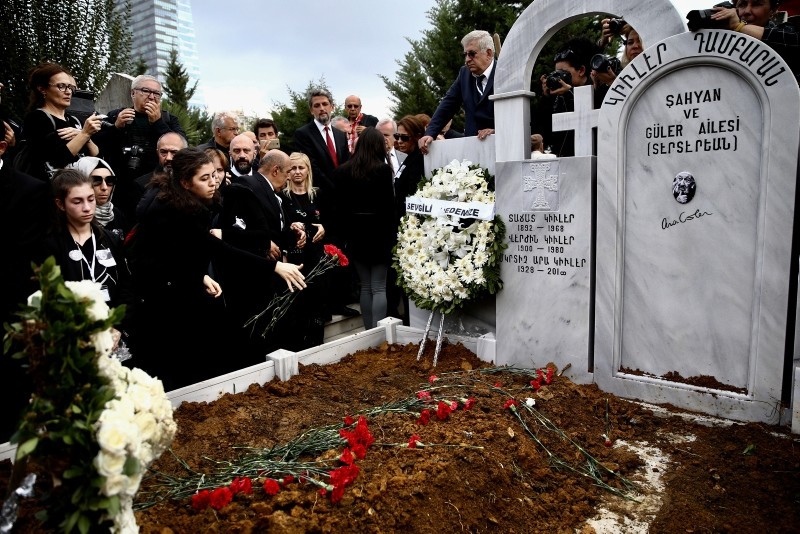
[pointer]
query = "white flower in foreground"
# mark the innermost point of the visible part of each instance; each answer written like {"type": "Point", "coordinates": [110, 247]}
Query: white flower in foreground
{"type": "Point", "coordinates": [109, 463]}
{"type": "Point", "coordinates": [115, 433]}
{"type": "Point", "coordinates": [90, 291]}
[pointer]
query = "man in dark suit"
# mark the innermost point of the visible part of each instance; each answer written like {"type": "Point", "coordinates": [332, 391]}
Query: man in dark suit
{"type": "Point", "coordinates": [472, 88]}
{"type": "Point", "coordinates": [326, 147]}
{"type": "Point", "coordinates": [313, 140]}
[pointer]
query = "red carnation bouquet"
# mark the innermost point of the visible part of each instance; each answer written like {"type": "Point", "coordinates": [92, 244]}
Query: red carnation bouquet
{"type": "Point", "coordinates": [279, 305]}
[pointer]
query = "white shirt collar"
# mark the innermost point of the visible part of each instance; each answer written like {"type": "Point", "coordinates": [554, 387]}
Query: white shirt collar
{"type": "Point", "coordinates": [487, 72]}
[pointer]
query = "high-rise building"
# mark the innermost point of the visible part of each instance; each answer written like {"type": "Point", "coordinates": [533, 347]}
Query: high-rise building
{"type": "Point", "coordinates": [158, 26]}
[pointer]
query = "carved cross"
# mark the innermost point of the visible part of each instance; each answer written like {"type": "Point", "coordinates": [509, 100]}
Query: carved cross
{"type": "Point", "coordinates": [539, 182]}
{"type": "Point", "coordinates": [583, 120]}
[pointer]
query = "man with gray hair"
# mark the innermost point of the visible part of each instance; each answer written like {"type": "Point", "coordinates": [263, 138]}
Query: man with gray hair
{"type": "Point", "coordinates": [472, 88]}
{"type": "Point", "coordinates": [129, 137]}
{"type": "Point", "coordinates": [224, 126]}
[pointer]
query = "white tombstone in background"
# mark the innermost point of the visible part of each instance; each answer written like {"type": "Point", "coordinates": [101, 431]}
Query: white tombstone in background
{"type": "Point", "coordinates": [544, 312]}
{"type": "Point", "coordinates": [697, 283]}
{"type": "Point", "coordinates": [117, 93]}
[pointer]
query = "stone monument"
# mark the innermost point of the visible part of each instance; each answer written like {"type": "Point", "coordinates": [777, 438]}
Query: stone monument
{"type": "Point", "coordinates": [697, 166]}
{"type": "Point", "coordinates": [545, 311]}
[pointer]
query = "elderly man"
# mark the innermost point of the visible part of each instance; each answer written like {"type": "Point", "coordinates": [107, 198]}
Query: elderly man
{"type": "Point", "coordinates": [358, 120]}
{"type": "Point", "coordinates": [472, 88]}
{"type": "Point", "coordinates": [166, 148]}
{"type": "Point", "coordinates": [129, 146]}
{"type": "Point", "coordinates": [224, 127]}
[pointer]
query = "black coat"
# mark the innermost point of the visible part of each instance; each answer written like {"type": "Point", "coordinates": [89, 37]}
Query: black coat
{"type": "Point", "coordinates": [368, 214]}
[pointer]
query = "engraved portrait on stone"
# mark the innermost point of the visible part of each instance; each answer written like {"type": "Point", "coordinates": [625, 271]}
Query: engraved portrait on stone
{"type": "Point", "coordinates": [683, 187]}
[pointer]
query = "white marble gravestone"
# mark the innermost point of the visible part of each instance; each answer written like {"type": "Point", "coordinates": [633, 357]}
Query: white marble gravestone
{"type": "Point", "coordinates": [544, 312]}
{"type": "Point", "coordinates": [697, 166]}
{"type": "Point", "coordinates": [117, 93]}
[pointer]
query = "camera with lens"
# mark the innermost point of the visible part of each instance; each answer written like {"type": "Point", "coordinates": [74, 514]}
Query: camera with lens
{"type": "Point", "coordinates": [615, 26]}
{"type": "Point", "coordinates": [134, 156]}
{"type": "Point", "coordinates": [701, 18]}
{"type": "Point", "coordinates": [602, 62]}
{"type": "Point", "coordinates": [553, 78]}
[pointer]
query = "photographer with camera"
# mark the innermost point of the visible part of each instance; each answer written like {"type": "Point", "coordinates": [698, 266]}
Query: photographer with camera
{"type": "Point", "coordinates": [572, 67]}
{"type": "Point", "coordinates": [754, 18]}
{"type": "Point", "coordinates": [605, 72]}
{"type": "Point", "coordinates": [129, 137]}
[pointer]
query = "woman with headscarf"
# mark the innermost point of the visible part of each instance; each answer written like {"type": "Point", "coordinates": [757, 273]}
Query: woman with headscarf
{"type": "Point", "coordinates": [103, 181]}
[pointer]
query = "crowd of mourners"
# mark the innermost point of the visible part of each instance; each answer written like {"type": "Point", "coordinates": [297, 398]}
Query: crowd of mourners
{"type": "Point", "coordinates": [195, 241]}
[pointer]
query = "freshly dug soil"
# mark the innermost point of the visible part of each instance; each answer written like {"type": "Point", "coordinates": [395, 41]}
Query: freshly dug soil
{"type": "Point", "coordinates": [480, 470]}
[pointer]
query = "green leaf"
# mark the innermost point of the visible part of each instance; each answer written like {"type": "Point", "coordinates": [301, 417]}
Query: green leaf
{"type": "Point", "coordinates": [26, 448]}
{"type": "Point", "coordinates": [749, 450]}
{"type": "Point", "coordinates": [84, 524]}
{"type": "Point", "coordinates": [73, 472]}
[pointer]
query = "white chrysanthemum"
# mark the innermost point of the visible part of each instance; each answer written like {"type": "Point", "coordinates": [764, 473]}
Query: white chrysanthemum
{"type": "Point", "coordinates": [439, 259]}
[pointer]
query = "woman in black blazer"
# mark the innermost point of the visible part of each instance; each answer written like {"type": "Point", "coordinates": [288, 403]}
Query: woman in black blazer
{"type": "Point", "coordinates": [364, 190]}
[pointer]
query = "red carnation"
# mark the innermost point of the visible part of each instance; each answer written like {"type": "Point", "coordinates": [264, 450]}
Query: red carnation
{"type": "Point", "coordinates": [453, 406]}
{"type": "Point", "coordinates": [498, 384]}
{"type": "Point", "coordinates": [360, 450]}
{"type": "Point", "coordinates": [433, 378]}
{"type": "Point", "coordinates": [412, 441]}
{"type": "Point", "coordinates": [201, 500]}
{"type": "Point", "coordinates": [424, 395]}
{"type": "Point", "coordinates": [288, 479]}
{"type": "Point", "coordinates": [348, 420]}
{"type": "Point", "coordinates": [347, 456]}
{"type": "Point", "coordinates": [510, 403]}
{"type": "Point", "coordinates": [323, 491]}
{"type": "Point", "coordinates": [549, 377]}
{"type": "Point", "coordinates": [242, 485]}
{"type": "Point", "coordinates": [271, 487]}
{"type": "Point", "coordinates": [535, 384]}
{"type": "Point", "coordinates": [469, 403]}
{"type": "Point", "coordinates": [443, 410]}
{"type": "Point", "coordinates": [220, 498]}
{"type": "Point", "coordinates": [424, 417]}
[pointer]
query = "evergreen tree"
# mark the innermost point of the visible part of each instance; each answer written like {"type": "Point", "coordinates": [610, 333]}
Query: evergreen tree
{"type": "Point", "coordinates": [177, 82]}
{"type": "Point", "coordinates": [89, 37]}
{"type": "Point", "coordinates": [290, 117]}
{"type": "Point", "coordinates": [140, 67]}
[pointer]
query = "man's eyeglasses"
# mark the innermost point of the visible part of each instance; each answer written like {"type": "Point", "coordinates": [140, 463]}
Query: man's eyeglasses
{"type": "Point", "coordinates": [149, 92]}
{"type": "Point", "coordinates": [351, 106]}
{"type": "Point", "coordinates": [109, 180]}
{"type": "Point", "coordinates": [402, 137]}
{"type": "Point", "coordinates": [231, 128]}
{"type": "Point", "coordinates": [564, 55]}
{"type": "Point", "coordinates": [63, 87]}
{"type": "Point", "coordinates": [470, 53]}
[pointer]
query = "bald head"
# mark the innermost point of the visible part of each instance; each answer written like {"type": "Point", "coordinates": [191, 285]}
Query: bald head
{"type": "Point", "coordinates": [353, 105]}
{"type": "Point", "coordinates": [242, 153]}
{"type": "Point", "coordinates": [167, 146]}
{"type": "Point", "coordinates": [275, 166]}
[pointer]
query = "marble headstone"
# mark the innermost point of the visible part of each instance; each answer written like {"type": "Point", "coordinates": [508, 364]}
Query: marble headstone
{"type": "Point", "coordinates": [697, 165]}
{"type": "Point", "coordinates": [543, 312]}
{"type": "Point", "coordinates": [117, 93]}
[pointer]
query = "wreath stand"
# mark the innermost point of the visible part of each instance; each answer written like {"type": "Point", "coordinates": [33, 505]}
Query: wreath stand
{"type": "Point", "coordinates": [439, 338]}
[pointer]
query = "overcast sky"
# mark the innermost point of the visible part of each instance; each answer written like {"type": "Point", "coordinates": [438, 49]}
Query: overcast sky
{"type": "Point", "coordinates": [251, 50]}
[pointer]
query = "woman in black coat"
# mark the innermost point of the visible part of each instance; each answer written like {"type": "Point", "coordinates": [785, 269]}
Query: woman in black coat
{"type": "Point", "coordinates": [180, 334]}
{"type": "Point", "coordinates": [366, 199]}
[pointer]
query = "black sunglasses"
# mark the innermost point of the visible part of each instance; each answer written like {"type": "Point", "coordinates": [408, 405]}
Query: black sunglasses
{"type": "Point", "coordinates": [402, 137]}
{"type": "Point", "coordinates": [109, 180]}
{"type": "Point", "coordinates": [470, 53]}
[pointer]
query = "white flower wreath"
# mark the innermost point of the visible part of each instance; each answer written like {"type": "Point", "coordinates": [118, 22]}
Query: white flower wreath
{"type": "Point", "coordinates": [445, 261]}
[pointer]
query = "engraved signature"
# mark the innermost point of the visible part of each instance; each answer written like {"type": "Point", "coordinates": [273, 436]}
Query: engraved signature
{"type": "Point", "coordinates": [682, 218]}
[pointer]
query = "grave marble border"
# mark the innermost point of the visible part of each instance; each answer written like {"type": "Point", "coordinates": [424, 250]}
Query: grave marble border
{"type": "Point", "coordinates": [780, 103]}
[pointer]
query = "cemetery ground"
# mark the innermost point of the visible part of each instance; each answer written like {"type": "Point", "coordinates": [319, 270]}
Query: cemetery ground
{"type": "Point", "coordinates": [479, 470]}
